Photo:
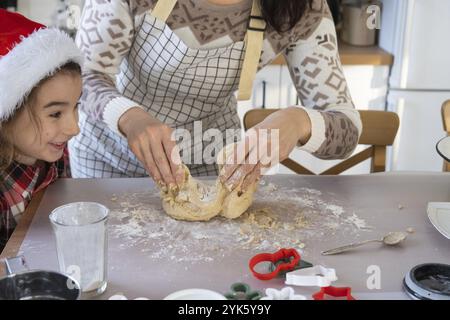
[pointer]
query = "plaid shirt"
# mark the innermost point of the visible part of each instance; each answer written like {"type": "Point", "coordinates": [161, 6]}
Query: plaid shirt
{"type": "Point", "coordinates": [18, 184]}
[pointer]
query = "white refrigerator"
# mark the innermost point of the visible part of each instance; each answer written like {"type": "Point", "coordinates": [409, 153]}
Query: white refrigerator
{"type": "Point", "coordinates": [417, 32]}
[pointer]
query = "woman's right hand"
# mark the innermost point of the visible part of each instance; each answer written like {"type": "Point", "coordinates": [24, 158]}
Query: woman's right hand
{"type": "Point", "coordinates": [150, 140]}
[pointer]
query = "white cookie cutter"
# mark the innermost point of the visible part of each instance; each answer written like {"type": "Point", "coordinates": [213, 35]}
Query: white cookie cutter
{"type": "Point", "coordinates": [287, 293]}
{"type": "Point", "coordinates": [317, 276]}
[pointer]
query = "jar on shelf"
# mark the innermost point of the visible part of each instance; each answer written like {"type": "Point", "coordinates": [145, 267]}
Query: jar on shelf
{"type": "Point", "coordinates": [360, 20]}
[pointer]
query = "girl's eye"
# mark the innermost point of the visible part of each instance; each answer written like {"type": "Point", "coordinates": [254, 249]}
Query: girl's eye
{"type": "Point", "coordinates": [56, 115]}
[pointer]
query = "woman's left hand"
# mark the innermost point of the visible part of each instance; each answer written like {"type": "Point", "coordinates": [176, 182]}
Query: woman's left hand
{"type": "Point", "coordinates": [266, 144]}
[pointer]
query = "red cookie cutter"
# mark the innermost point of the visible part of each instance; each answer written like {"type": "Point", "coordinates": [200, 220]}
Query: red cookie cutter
{"type": "Point", "coordinates": [334, 292]}
{"type": "Point", "coordinates": [289, 257]}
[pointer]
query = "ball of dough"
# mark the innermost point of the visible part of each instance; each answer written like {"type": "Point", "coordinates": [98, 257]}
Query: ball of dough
{"type": "Point", "coordinates": [199, 201]}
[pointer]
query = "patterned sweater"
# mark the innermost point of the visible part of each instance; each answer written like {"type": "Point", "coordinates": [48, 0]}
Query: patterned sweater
{"type": "Point", "coordinates": [107, 32]}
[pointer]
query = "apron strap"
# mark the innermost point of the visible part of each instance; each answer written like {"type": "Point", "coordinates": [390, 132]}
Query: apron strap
{"type": "Point", "coordinates": [253, 47]}
{"type": "Point", "coordinates": [163, 8]}
{"type": "Point", "coordinates": [253, 43]}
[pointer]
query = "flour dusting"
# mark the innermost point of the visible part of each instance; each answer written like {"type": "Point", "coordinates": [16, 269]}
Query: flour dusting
{"type": "Point", "coordinates": [279, 217]}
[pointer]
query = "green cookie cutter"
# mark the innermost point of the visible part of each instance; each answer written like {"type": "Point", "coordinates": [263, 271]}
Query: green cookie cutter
{"type": "Point", "coordinates": [242, 291]}
{"type": "Point", "coordinates": [300, 265]}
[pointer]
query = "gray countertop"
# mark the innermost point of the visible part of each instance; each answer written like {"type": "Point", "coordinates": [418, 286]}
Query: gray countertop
{"type": "Point", "coordinates": [150, 255]}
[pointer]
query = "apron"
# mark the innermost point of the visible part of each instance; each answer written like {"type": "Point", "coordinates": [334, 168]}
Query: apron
{"type": "Point", "coordinates": [177, 85]}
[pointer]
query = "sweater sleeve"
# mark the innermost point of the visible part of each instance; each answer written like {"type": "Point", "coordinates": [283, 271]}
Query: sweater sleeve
{"type": "Point", "coordinates": [316, 71]}
{"type": "Point", "coordinates": [105, 35]}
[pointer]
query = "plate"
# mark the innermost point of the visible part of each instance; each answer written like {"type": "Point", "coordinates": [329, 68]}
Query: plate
{"type": "Point", "coordinates": [439, 215]}
{"type": "Point", "coordinates": [195, 294]}
{"type": "Point", "coordinates": [443, 148]}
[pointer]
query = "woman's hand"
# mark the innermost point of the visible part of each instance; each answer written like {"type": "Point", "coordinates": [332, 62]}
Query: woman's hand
{"type": "Point", "coordinates": [150, 140]}
{"type": "Point", "coordinates": [269, 142]}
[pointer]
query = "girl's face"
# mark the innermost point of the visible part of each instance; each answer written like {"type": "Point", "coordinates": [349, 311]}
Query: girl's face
{"type": "Point", "coordinates": [55, 107]}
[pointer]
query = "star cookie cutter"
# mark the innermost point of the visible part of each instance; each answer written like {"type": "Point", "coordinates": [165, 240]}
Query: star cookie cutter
{"type": "Point", "coordinates": [287, 293]}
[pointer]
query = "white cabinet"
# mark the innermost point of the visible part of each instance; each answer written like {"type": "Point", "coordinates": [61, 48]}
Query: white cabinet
{"type": "Point", "coordinates": [46, 11]}
{"type": "Point", "coordinates": [420, 129]}
{"type": "Point", "coordinates": [41, 11]}
{"type": "Point", "coordinates": [368, 86]}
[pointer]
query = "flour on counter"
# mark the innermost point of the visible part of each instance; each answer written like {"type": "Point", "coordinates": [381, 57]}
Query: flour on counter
{"type": "Point", "coordinates": [279, 217]}
{"type": "Point", "coordinates": [358, 222]}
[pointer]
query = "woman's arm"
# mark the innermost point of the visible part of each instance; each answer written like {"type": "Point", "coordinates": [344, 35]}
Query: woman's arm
{"type": "Point", "coordinates": [326, 125]}
{"type": "Point", "coordinates": [317, 73]}
{"type": "Point", "coordinates": [105, 37]}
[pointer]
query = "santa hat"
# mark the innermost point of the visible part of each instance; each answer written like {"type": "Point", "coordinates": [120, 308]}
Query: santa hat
{"type": "Point", "coordinates": [29, 52]}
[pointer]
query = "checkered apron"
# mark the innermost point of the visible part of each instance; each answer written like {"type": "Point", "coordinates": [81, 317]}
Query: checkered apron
{"type": "Point", "coordinates": [174, 83]}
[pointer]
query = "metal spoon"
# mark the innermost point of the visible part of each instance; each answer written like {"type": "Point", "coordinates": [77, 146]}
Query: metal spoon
{"type": "Point", "coordinates": [391, 239]}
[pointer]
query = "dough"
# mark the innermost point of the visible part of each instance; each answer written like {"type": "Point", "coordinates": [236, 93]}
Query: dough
{"type": "Point", "coordinates": [201, 201]}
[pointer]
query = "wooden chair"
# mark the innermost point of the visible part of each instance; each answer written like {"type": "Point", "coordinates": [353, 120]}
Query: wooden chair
{"type": "Point", "coordinates": [446, 123]}
{"type": "Point", "coordinates": [379, 130]}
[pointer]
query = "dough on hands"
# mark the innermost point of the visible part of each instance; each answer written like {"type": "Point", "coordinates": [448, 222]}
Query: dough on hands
{"type": "Point", "coordinates": [201, 201]}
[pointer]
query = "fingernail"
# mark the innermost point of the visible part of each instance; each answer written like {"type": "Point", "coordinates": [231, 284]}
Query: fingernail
{"type": "Point", "coordinates": [229, 186]}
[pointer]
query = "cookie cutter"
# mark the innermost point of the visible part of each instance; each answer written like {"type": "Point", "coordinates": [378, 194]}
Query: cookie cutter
{"type": "Point", "coordinates": [317, 276]}
{"type": "Point", "coordinates": [284, 260]}
{"type": "Point", "coordinates": [287, 293]}
{"type": "Point", "coordinates": [302, 264]}
{"type": "Point", "coordinates": [334, 292]}
{"type": "Point", "coordinates": [242, 291]}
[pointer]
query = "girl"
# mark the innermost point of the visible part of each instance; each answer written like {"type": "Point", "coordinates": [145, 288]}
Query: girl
{"type": "Point", "coordinates": [40, 84]}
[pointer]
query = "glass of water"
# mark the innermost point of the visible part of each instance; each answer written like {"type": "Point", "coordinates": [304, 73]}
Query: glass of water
{"type": "Point", "coordinates": [81, 244]}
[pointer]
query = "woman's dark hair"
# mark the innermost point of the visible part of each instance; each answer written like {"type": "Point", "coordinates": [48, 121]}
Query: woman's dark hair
{"type": "Point", "coordinates": [283, 15]}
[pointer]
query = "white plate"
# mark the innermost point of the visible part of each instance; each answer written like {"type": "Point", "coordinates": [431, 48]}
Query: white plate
{"type": "Point", "coordinates": [443, 148]}
{"type": "Point", "coordinates": [439, 215]}
{"type": "Point", "coordinates": [195, 294]}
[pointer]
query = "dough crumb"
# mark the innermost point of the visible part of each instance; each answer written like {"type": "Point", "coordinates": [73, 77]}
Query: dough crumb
{"type": "Point", "coordinates": [245, 229]}
{"type": "Point", "coordinates": [410, 230]}
{"type": "Point", "coordinates": [263, 218]}
{"type": "Point", "coordinates": [400, 207]}
{"type": "Point", "coordinates": [301, 222]}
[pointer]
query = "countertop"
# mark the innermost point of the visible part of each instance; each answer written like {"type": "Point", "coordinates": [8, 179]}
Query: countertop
{"type": "Point", "coordinates": [152, 255]}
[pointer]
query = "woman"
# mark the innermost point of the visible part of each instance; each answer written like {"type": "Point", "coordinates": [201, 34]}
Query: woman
{"type": "Point", "coordinates": [148, 75]}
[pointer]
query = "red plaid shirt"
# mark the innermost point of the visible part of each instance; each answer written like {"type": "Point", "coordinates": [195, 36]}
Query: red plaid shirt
{"type": "Point", "coordinates": [18, 184]}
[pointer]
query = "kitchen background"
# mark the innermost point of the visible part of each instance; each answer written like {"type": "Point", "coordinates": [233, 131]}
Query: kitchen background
{"type": "Point", "coordinates": [395, 55]}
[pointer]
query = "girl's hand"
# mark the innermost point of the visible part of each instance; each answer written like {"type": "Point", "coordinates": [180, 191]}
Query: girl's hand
{"type": "Point", "coordinates": [150, 140]}
{"type": "Point", "coordinates": [266, 144]}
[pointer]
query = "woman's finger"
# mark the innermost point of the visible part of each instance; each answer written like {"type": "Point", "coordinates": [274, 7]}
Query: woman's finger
{"type": "Point", "coordinates": [173, 154]}
{"type": "Point", "coordinates": [243, 170]}
{"type": "Point", "coordinates": [162, 162]}
{"type": "Point", "coordinates": [149, 161]}
{"type": "Point", "coordinates": [242, 154]}
{"type": "Point", "coordinates": [252, 177]}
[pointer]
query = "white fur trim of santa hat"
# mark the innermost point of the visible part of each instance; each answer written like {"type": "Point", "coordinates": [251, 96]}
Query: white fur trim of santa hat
{"type": "Point", "coordinates": [36, 57]}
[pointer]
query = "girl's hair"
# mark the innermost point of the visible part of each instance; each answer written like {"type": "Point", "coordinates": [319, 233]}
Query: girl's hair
{"type": "Point", "coordinates": [283, 15]}
{"type": "Point", "coordinates": [8, 151]}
